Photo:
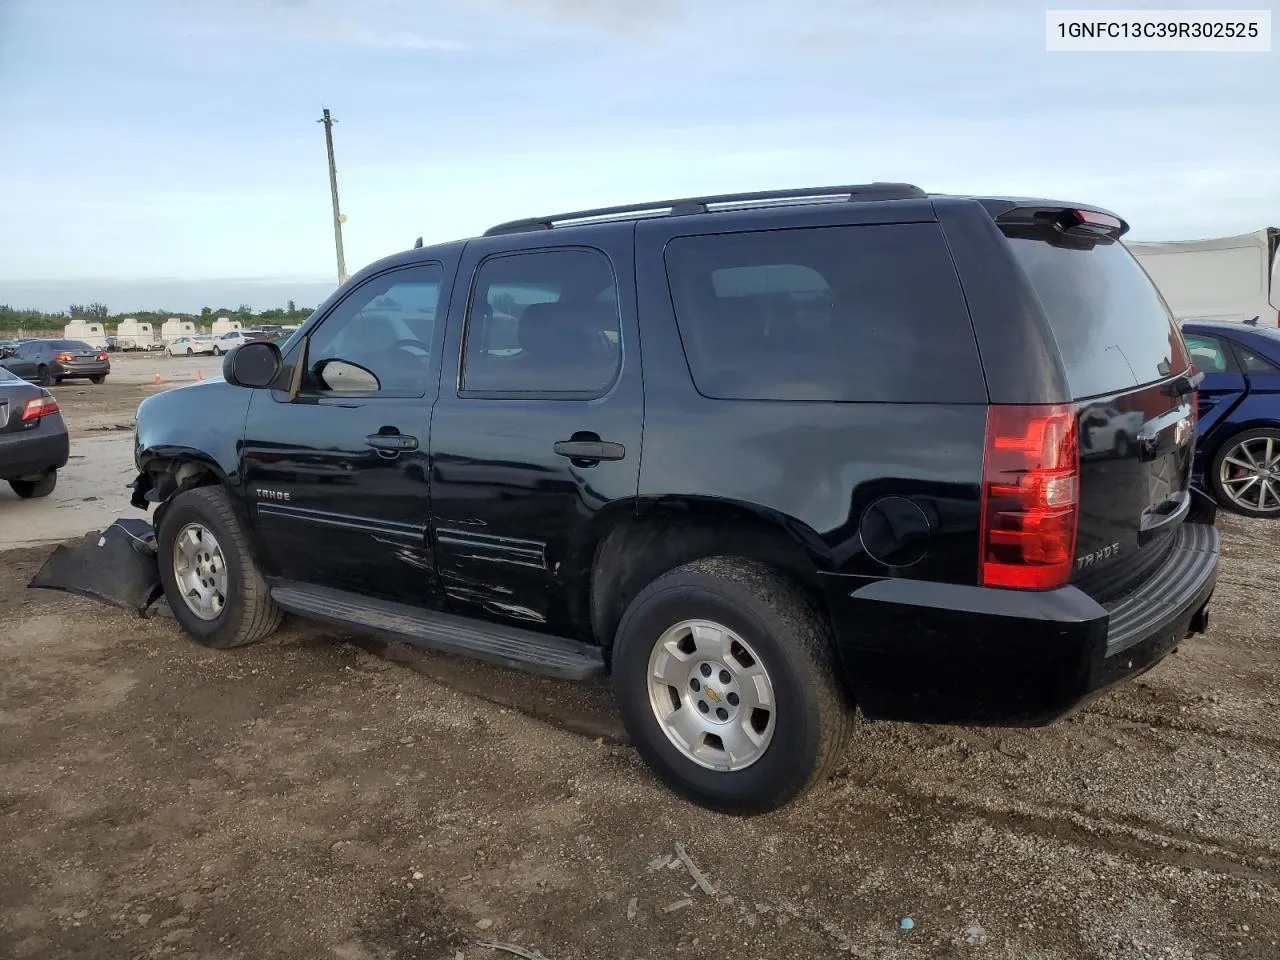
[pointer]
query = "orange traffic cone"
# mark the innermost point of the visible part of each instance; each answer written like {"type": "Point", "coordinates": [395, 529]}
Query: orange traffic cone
{"type": "Point", "coordinates": [156, 378]}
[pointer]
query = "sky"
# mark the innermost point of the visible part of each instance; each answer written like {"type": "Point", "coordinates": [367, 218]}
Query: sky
{"type": "Point", "coordinates": [165, 153]}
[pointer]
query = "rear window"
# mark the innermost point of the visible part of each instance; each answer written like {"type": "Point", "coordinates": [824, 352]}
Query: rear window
{"type": "Point", "coordinates": [1112, 328]}
{"type": "Point", "coordinates": [865, 313]}
{"type": "Point", "coordinates": [70, 345]}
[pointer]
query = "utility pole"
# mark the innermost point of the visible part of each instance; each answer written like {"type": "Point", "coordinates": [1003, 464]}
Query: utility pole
{"type": "Point", "coordinates": [328, 122]}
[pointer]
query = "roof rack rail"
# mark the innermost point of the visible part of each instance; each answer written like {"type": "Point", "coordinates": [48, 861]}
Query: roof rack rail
{"type": "Point", "coordinates": [695, 205]}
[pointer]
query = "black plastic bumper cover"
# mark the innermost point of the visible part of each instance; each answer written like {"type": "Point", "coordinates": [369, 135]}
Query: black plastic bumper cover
{"type": "Point", "coordinates": [948, 653]}
{"type": "Point", "coordinates": [116, 566]}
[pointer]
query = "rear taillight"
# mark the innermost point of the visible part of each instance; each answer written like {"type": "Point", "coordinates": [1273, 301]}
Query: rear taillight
{"type": "Point", "coordinates": [63, 357]}
{"type": "Point", "coordinates": [1030, 496]}
{"type": "Point", "coordinates": [39, 407]}
{"type": "Point", "coordinates": [102, 356]}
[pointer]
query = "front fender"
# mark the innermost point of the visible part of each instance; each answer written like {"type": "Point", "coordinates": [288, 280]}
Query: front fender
{"type": "Point", "coordinates": [187, 436]}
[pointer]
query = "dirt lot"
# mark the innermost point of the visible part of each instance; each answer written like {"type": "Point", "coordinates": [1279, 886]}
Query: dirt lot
{"type": "Point", "coordinates": [324, 796]}
{"type": "Point", "coordinates": [91, 488]}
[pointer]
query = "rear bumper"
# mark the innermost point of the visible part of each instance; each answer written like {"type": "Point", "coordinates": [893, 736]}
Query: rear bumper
{"type": "Point", "coordinates": [947, 653]}
{"type": "Point", "coordinates": [31, 453]}
{"type": "Point", "coordinates": [99, 369]}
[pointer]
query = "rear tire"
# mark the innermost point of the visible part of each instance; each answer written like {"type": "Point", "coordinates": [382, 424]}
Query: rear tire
{"type": "Point", "coordinates": [98, 378]}
{"type": "Point", "coordinates": [217, 351]}
{"type": "Point", "coordinates": [190, 352]}
{"type": "Point", "coordinates": [34, 489]}
{"type": "Point", "coordinates": [43, 377]}
{"type": "Point", "coordinates": [766, 626]}
{"type": "Point", "coordinates": [1234, 464]}
{"type": "Point", "coordinates": [246, 612]}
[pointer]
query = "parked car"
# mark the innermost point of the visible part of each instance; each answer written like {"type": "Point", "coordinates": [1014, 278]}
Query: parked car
{"type": "Point", "coordinates": [47, 362]}
{"type": "Point", "coordinates": [1238, 430]}
{"type": "Point", "coordinates": [190, 346]}
{"type": "Point", "coordinates": [33, 437]}
{"type": "Point", "coordinates": [226, 342]}
{"type": "Point", "coordinates": [7, 347]}
{"type": "Point", "coordinates": [860, 481]}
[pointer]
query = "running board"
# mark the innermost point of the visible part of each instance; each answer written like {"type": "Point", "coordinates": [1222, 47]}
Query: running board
{"type": "Point", "coordinates": [494, 643]}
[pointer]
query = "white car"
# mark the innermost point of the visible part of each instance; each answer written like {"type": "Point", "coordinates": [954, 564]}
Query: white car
{"type": "Point", "coordinates": [226, 342]}
{"type": "Point", "coordinates": [190, 346]}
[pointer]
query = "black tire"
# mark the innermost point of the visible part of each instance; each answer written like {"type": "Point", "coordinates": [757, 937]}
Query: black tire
{"type": "Point", "coordinates": [792, 640]}
{"type": "Point", "coordinates": [1225, 449]}
{"type": "Point", "coordinates": [43, 377]}
{"type": "Point", "coordinates": [217, 352]}
{"type": "Point", "coordinates": [249, 613]}
{"type": "Point", "coordinates": [190, 352]}
{"type": "Point", "coordinates": [34, 489]}
{"type": "Point", "coordinates": [98, 378]}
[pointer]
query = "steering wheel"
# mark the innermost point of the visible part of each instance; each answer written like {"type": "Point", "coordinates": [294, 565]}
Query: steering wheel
{"type": "Point", "coordinates": [411, 346]}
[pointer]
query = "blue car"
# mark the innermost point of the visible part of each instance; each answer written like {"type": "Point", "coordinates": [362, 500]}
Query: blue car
{"type": "Point", "coordinates": [1238, 435]}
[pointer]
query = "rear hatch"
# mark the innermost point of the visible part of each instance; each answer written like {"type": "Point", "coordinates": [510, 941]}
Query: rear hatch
{"type": "Point", "coordinates": [1130, 378]}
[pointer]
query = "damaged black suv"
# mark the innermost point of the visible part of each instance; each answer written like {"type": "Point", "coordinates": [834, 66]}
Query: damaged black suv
{"type": "Point", "coordinates": [763, 458]}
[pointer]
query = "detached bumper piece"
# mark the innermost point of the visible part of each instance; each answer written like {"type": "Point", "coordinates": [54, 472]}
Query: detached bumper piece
{"type": "Point", "coordinates": [116, 566]}
{"type": "Point", "coordinates": [946, 653]}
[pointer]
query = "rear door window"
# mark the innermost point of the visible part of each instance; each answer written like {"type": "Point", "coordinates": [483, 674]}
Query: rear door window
{"type": "Point", "coordinates": [862, 313]}
{"type": "Point", "coordinates": [1209, 354]}
{"type": "Point", "coordinates": [1113, 329]}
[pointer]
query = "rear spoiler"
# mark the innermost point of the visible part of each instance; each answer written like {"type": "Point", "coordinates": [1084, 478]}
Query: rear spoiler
{"type": "Point", "coordinates": [1068, 219]}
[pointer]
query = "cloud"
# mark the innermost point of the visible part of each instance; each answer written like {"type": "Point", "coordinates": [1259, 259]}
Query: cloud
{"type": "Point", "coordinates": [405, 41]}
{"type": "Point", "coordinates": [612, 15]}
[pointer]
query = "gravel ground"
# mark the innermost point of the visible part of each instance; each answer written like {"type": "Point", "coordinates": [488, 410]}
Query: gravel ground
{"type": "Point", "coordinates": [325, 796]}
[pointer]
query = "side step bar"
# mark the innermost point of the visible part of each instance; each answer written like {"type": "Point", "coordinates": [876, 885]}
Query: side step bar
{"type": "Point", "coordinates": [507, 646]}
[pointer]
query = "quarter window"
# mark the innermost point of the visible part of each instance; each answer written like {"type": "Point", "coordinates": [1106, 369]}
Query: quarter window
{"type": "Point", "coordinates": [865, 313]}
{"type": "Point", "coordinates": [1254, 363]}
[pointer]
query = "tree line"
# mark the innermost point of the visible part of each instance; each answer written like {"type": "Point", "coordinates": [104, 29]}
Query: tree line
{"type": "Point", "coordinates": [15, 319]}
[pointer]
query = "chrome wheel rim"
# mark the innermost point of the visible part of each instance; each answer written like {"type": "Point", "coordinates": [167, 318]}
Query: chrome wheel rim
{"type": "Point", "coordinates": [1250, 474]}
{"type": "Point", "coordinates": [200, 571]}
{"type": "Point", "coordinates": [711, 695]}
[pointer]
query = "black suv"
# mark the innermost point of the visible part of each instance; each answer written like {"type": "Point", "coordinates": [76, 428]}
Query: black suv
{"type": "Point", "coordinates": [762, 457]}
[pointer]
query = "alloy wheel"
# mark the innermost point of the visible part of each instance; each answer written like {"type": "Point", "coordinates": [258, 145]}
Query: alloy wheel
{"type": "Point", "coordinates": [1250, 474]}
{"type": "Point", "coordinates": [200, 571]}
{"type": "Point", "coordinates": [711, 695]}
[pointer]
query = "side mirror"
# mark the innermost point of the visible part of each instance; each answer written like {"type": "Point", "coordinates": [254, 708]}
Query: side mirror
{"type": "Point", "coordinates": [257, 365]}
{"type": "Point", "coordinates": [343, 376]}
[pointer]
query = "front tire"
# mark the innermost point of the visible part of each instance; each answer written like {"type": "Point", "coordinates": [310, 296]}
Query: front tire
{"type": "Point", "coordinates": [725, 676]}
{"type": "Point", "coordinates": [213, 586]}
{"type": "Point", "coordinates": [34, 489]}
{"type": "Point", "coordinates": [1245, 473]}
